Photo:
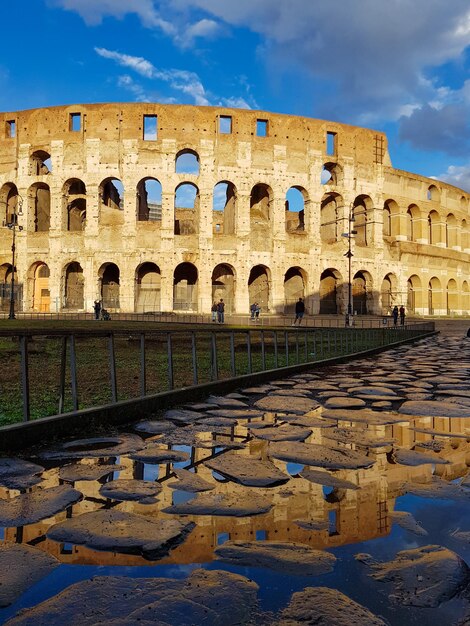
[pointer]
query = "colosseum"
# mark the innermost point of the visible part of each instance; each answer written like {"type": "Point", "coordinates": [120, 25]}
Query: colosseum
{"type": "Point", "coordinates": [166, 208]}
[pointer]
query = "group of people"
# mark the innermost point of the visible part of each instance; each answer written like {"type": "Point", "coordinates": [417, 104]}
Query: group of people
{"type": "Point", "coordinates": [218, 311]}
{"type": "Point", "coordinates": [100, 312]}
{"type": "Point", "coordinates": [255, 311]}
{"type": "Point", "coordinates": [398, 312]}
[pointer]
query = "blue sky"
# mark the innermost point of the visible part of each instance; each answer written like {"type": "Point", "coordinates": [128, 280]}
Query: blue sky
{"type": "Point", "coordinates": [401, 66]}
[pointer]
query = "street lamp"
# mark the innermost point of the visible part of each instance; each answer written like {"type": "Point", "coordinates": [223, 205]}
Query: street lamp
{"type": "Point", "coordinates": [13, 225]}
{"type": "Point", "coordinates": [349, 254]}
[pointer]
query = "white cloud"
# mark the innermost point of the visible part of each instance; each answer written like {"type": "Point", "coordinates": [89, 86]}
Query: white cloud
{"type": "Point", "coordinates": [138, 64]}
{"type": "Point", "coordinates": [207, 29]}
{"type": "Point", "coordinates": [458, 175]}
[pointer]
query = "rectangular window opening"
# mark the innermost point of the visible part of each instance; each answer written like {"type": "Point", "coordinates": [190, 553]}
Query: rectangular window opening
{"type": "Point", "coordinates": [75, 122]}
{"type": "Point", "coordinates": [331, 143]}
{"type": "Point", "coordinates": [225, 124]}
{"type": "Point", "coordinates": [332, 523]}
{"type": "Point", "coordinates": [150, 127]}
{"type": "Point", "coordinates": [11, 128]}
{"type": "Point", "coordinates": [222, 538]}
{"type": "Point", "coordinates": [261, 535]}
{"type": "Point", "coordinates": [261, 128]}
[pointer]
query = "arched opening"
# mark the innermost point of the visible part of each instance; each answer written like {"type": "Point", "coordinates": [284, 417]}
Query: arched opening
{"type": "Point", "coordinates": [412, 216]}
{"type": "Point", "coordinates": [294, 288]}
{"type": "Point", "coordinates": [40, 163]}
{"type": "Point", "coordinates": [259, 287]}
{"type": "Point", "coordinates": [74, 285]}
{"type": "Point", "coordinates": [185, 291]}
{"type": "Point", "coordinates": [434, 296]}
{"type": "Point", "coordinates": [187, 162]}
{"type": "Point", "coordinates": [40, 293]}
{"type": "Point", "coordinates": [451, 231]}
{"type": "Point", "coordinates": [223, 286]}
{"type": "Point", "coordinates": [433, 193]}
{"type": "Point", "coordinates": [465, 298]}
{"type": "Point", "coordinates": [74, 202]}
{"type": "Point", "coordinates": [362, 293]}
{"type": "Point", "coordinates": [361, 216]}
{"type": "Point", "coordinates": [391, 224]}
{"type": "Point", "coordinates": [414, 297]}
{"type": "Point", "coordinates": [260, 205]}
{"type": "Point", "coordinates": [331, 174]}
{"type": "Point", "coordinates": [148, 288]}
{"type": "Point", "coordinates": [464, 236]}
{"type": "Point", "coordinates": [329, 281]}
{"type": "Point", "coordinates": [40, 203]}
{"type": "Point", "coordinates": [149, 200]}
{"type": "Point", "coordinates": [9, 203]}
{"type": "Point", "coordinates": [452, 297]}
{"type": "Point", "coordinates": [111, 193]}
{"type": "Point", "coordinates": [388, 293]}
{"type": "Point", "coordinates": [109, 278]}
{"type": "Point", "coordinates": [186, 209]}
{"type": "Point", "coordinates": [224, 202]}
{"type": "Point", "coordinates": [5, 286]}
{"type": "Point", "coordinates": [295, 209]}
{"type": "Point", "coordinates": [330, 217]}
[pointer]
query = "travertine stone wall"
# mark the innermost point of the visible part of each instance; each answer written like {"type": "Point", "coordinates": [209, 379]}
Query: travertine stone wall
{"type": "Point", "coordinates": [83, 240]}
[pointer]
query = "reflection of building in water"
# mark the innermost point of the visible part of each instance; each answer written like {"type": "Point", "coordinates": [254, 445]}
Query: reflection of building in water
{"type": "Point", "coordinates": [350, 515]}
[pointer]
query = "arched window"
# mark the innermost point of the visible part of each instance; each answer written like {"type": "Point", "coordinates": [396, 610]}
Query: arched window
{"type": "Point", "coordinates": [330, 223]}
{"type": "Point", "coordinates": [186, 209]}
{"type": "Point", "coordinates": [259, 288]}
{"type": "Point", "coordinates": [294, 288]}
{"type": "Point", "coordinates": [187, 162]}
{"type": "Point", "coordinates": [223, 286]}
{"type": "Point", "coordinates": [75, 199]}
{"type": "Point", "coordinates": [109, 277]}
{"type": "Point", "coordinates": [224, 203]}
{"type": "Point", "coordinates": [260, 205]}
{"type": "Point", "coordinates": [149, 200]}
{"type": "Point", "coordinates": [148, 288]}
{"type": "Point", "coordinates": [329, 281]}
{"type": "Point", "coordinates": [295, 209]}
{"type": "Point", "coordinates": [74, 286]}
{"type": "Point", "coordinates": [111, 193]}
{"type": "Point", "coordinates": [40, 207]}
{"type": "Point", "coordinates": [185, 287]}
{"type": "Point", "coordinates": [40, 163]}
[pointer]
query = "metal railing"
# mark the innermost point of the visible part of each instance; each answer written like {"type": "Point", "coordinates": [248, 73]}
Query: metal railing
{"type": "Point", "coordinates": [56, 372]}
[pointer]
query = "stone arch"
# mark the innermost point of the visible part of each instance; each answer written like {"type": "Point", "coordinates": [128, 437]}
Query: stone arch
{"type": "Point", "coordinates": [434, 296]}
{"type": "Point", "coordinates": [464, 239]}
{"type": "Point", "coordinates": [10, 202]}
{"type": "Point", "coordinates": [332, 174]}
{"type": "Point", "coordinates": [74, 286]}
{"type": "Point", "coordinates": [361, 210]}
{"type": "Point", "coordinates": [39, 196]}
{"type": "Point", "coordinates": [388, 293]}
{"type": "Point", "coordinates": [452, 297]}
{"type": "Point", "coordinates": [451, 231]}
{"type": "Point", "coordinates": [224, 208]}
{"type": "Point", "coordinates": [149, 200]}
{"type": "Point", "coordinates": [147, 288]}
{"type": "Point", "coordinates": [186, 209]}
{"type": "Point", "coordinates": [390, 215]}
{"type": "Point", "coordinates": [5, 285]}
{"type": "Point", "coordinates": [330, 219]}
{"type": "Point", "coordinates": [329, 300]}
{"type": "Point", "coordinates": [465, 298]}
{"type": "Point", "coordinates": [295, 280]}
{"type": "Point", "coordinates": [74, 204]}
{"type": "Point", "coordinates": [362, 293]}
{"type": "Point", "coordinates": [187, 162]}
{"type": "Point", "coordinates": [412, 221]}
{"type": "Point", "coordinates": [111, 194]}
{"type": "Point", "coordinates": [463, 204]}
{"type": "Point", "coordinates": [40, 163]}
{"type": "Point", "coordinates": [433, 193]}
{"type": "Point", "coordinates": [433, 228]}
{"type": "Point", "coordinates": [185, 287]}
{"type": "Point", "coordinates": [296, 199]}
{"type": "Point", "coordinates": [414, 301]}
{"type": "Point", "coordinates": [38, 279]}
{"type": "Point", "coordinates": [260, 205]}
{"type": "Point", "coordinates": [259, 287]}
{"type": "Point", "coordinates": [109, 285]}
{"type": "Point", "coordinates": [223, 285]}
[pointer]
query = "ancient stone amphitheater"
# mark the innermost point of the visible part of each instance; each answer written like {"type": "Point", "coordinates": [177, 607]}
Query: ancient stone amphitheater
{"type": "Point", "coordinates": [152, 207]}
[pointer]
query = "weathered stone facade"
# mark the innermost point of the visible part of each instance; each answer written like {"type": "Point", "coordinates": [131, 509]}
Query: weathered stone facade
{"type": "Point", "coordinates": [152, 207]}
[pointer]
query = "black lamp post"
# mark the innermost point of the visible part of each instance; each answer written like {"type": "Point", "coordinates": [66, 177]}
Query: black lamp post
{"type": "Point", "coordinates": [13, 225]}
{"type": "Point", "coordinates": [349, 254]}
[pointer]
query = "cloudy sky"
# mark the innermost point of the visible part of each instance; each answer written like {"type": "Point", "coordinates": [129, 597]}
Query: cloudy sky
{"type": "Point", "coordinates": [401, 66]}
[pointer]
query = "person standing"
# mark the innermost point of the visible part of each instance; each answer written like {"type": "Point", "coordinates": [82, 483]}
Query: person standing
{"type": "Point", "coordinates": [257, 311]}
{"type": "Point", "coordinates": [395, 315]}
{"type": "Point", "coordinates": [402, 315]}
{"type": "Point", "coordinates": [214, 311]}
{"type": "Point", "coordinates": [253, 311]}
{"type": "Point", "coordinates": [221, 312]}
{"type": "Point", "coordinates": [299, 311]}
{"type": "Point", "coordinates": [97, 309]}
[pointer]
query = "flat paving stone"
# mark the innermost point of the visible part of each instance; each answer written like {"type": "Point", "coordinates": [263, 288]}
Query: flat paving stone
{"type": "Point", "coordinates": [231, 505]}
{"type": "Point", "coordinates": [185, 416]}
{"type": "Point", "coordinates": [94, 447]}
{"type": "Point", "coordinates": [422, 577]}
{"type": "Point", "coordinates": [118, 531]}
{"type": "Point", "coordinates": [154, 427]}
{"type": "Point", "coordinates": [373, 390]}
{"type": "Point", "coordinates": [403, 456]}
{"type": "Point", "coordinates": [328, 607]}
{"type": "Point", "coordinates": [15, 467]}
{"type": "Point", "coordinates": [317, 525]}
{"type": "Point", "coordinates": [365, 416]}
{"type": "Point", "coordinates": [310, 422]}
{"type": "Point", "coordinates": [285, 432]}
{"type": "Point", "coordinates": [280, 404]}
{"type": "Point", "coordinates": [236, 414]}
{"type": "Point", "coordinates": [408, 522]}
{"type": "Point", "coordinates": [247, 470]}
{"type": "Point", "coordinates": [219, 420]}
{"type": "Point", "coordinates": [438, 488]}
{"type": "Point", "coordinates": [142, 491]}
{"type": "Point", "coordinates": [433, 409]}
{"type": "Point", "coordinates": [327, 479]}
{"type": "Point", "coordinates": [29, 508]}
{"type": "Point", "coordinates": [189, 481]}
{"type": "Point", "coordinates": [344, 403]}
{"type": "Point", "coordinates": [224, 401]}
{"type": "Point", "coordinates": [83, 471]}
{"type": "Point", "coordinates": [319, 456]}
{"type": "Point", "coordinates": [288, 557]}
{"type": "Point", "coordinates": [360, 437]}
{"type": "Point", "coordinates": [25, 566]}
{"type": "Point", "coordinates": [155, 455]}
